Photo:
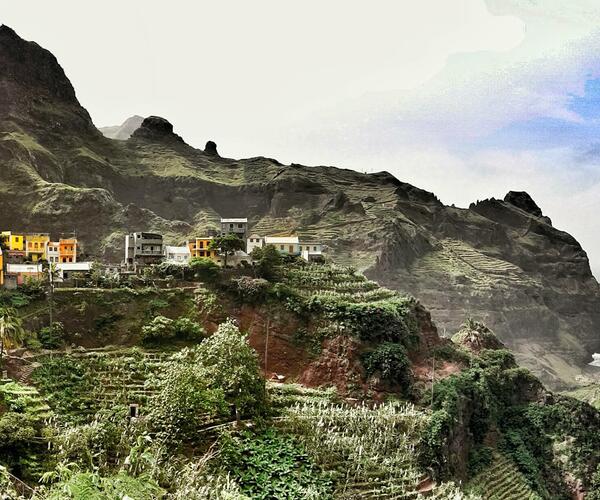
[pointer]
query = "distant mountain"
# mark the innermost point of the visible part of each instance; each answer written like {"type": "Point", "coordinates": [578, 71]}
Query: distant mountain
{"type": "Point", "coordinates": [500, 260]}
{"type": "Point", "coordinates": [125, 130]}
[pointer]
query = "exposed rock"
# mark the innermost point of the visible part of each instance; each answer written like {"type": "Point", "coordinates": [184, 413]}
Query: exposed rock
{"type": "Point", "coordinates": [156, 128]}
{"type": "Point", "coordinates": [522, 200]}
{"type": "Point", "coordinates": [211, 148]}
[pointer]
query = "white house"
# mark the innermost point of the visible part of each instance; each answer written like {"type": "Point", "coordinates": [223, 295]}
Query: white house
{"type": "Point", "coordinates": [52, 252]}
{"type": "Point", "coordinates": [311, 250]}
{"type": "Point", "coordinates": [67, 269]}
{"type": "Point", "coordinates": [255, 241]}
{"type": "Point", "coordinates": [287, 245]}
{"type": "Point", "coordinates": [179, 255]}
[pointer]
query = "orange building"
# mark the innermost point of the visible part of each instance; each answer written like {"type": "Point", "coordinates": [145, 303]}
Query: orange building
{"type": "Point", "coordinates": [67, 250]}
{"type": "Point", "coordinates": [199, 247]}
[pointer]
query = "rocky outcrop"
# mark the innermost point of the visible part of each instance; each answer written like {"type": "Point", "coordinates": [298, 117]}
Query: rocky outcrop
{"type": "Point", "coordinates": [211, 148]}
{"type": "Point", "coordinates": [155, 128]}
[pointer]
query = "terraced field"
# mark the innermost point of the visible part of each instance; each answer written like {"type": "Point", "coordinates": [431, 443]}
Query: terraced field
{"type": "Point", "coordinates": [459, 259]}
{"type": "Point", "coordinates": [317, 280]}
{"type": "Point", "coordinates": [80, 383]}
{"type": "Point", "coordinates": [502, 481]}
{"type": "Point", "coordinates": [26, 398]}
{"type": "Point", "coordinates": [371, 451]}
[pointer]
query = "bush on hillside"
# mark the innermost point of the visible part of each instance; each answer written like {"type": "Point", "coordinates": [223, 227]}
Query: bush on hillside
{"type": "Point", "coordinates": [162, 328]}
{"type": "Point", "coordinates": [52, 337]}
{"type": "Point", "coordinates": [390, 361]}
{"type": "Point", "coordinates": [204, 269]}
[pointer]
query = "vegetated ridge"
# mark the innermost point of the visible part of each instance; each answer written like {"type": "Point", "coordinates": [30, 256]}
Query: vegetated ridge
{"type": "Point", "coordinates": [499, 260]}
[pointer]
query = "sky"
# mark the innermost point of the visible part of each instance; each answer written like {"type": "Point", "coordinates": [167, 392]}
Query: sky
{"type": "Point", "coordinates": [465, 98]}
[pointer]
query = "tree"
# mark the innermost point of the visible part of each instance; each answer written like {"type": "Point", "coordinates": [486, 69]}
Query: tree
{"type": "Point", "coordinates": [204, 268]}
{"type": "Point", "coordinates": [230, 364]}
{"type": "Point", "coordinates": [11, 329]}
{"type": "Point", "coordinates": [268, 262]}
{"type": "Point", "coordinates": [226, 245]}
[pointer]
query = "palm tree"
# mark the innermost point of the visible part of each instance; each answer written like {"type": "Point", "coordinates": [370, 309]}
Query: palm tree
{"type": "Point", "coordinates": [11, 329]}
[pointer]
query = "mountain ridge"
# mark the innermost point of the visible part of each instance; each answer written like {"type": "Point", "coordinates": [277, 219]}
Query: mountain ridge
{"type": "Point", "coordinates": [500, 261]}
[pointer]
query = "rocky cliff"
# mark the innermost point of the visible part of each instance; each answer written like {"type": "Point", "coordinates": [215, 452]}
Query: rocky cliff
{"type": "Point", "coordinates": [500, 260]}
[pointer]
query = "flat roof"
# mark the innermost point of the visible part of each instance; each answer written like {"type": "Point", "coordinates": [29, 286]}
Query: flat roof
{"type": "Point", "coordinates": [234, 220]}
{"type": "Point", "coordinates": [74, 266]}
{"type": "Point", "coordinates": [173, 249]}
{"type": "Point", "coordinates": [282, 239]}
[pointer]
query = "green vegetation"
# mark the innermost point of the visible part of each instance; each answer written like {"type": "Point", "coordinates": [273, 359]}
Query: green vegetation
{"type": "Point", "coordinates": [227, 245]}
{"type": "Point", "coordinates": [270, 464]}
{"type": "Point", "coordinates": [162, 329]}
{"type": "Point", "coordinates": [390, 362]}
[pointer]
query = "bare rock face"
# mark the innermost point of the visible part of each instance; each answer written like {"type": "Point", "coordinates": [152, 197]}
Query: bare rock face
{"type": "Point", "coordinates": [522, 200]}
{"type": "Point", "coordinates": [211, 148]}
{"type": "Point", "coordinates": [156, 128]}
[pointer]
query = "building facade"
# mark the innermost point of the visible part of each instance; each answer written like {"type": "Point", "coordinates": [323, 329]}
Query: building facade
{"type": "Point", "coordinates": [52, 252]}
{"type": "Point", "coordinates": [23, 272]}
{"type": "Point", "coordinates": [143, 248]}
{"type": "Point", "coordinates": [200, 247]}
{"type": "Point", "coordinates": [13, 242]}
{"type": "Point", "coordinates": [287, 245]}
{"type": "Point", "coordinates": [311, 251]}
{"type": "Point", "coordinates": [178, 255]}
{"type": "Point", "coordinates": [1, 268]}
{"type": "Point", "coordinates": [237, 226]}
{"type": "Point", "coordinates": [36, 246]}
{"type": "Point", "coordinates": [67, 250]}
{"type": "Point", "coordinates": [254, 241]}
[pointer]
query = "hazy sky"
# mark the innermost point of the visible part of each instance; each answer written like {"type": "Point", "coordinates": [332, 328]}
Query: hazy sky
{"type": "Point", "coordinates": [467, 99]}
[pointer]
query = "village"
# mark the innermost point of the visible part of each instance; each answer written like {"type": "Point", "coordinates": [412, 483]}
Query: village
{"type": "Point", "coordinates": [26, 256]}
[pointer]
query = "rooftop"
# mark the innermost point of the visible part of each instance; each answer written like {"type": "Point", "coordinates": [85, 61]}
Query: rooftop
{"type": "Point", "coordinates": [238, 220]}
{"type": "Point", "coordinates": [291, 240]}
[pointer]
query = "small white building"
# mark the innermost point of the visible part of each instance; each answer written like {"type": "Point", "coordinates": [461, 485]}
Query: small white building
{"type": "Point", "coordinates": [287, 245]}
{"type": "Point", "coordinates": [235, 260]}
{"type": "Point", "coordinates": [311, 251]}
{"type": "Point", "coordinates": [178, 255]}
{"type": "Point", "coordinates": [255, 241]}
{"type": "Point", "coordinates": [52, 252]}
{"type": "Point", "coordinates": [66, 270]}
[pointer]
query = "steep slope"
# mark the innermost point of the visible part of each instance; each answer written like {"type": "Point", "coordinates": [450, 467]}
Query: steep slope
{"type": "Point", "coordinates": [125, 130]}
{"type": "Point", "coordinates": [500, 261]}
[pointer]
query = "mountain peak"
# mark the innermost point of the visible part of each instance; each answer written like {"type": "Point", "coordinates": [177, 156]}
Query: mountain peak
{"type": "Point", "coordinates": [156, 128]}
{"type": "Point", "coordinates": [125, 130]}
{"type": "Point", "coordinates": [34, 87]}
{"type": "Point", "coordinates": [522, 200]}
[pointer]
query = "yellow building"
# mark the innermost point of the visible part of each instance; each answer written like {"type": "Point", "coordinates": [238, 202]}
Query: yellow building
{"type": "Point", "coordinates": [1, 268]}
{"type": "Point", "coordinates": [199, 247]}
{"type": "Point", "coordinates": [13, 242]}
{"type": "Point", "coordinates": [36, 246]}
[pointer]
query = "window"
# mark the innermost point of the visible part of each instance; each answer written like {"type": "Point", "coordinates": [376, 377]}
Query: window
{"type": "Point", "coordinates": [281, 247]}
{"type": "Point", "coordinates": [202, 253]}
{"type": "Point", "coordinates": [291, 248]}
{"type": "Point", "coordinates": [201, 244]}
{"type": "Point", "coordinates": [240, 226]}
{"type": "Point", "coordinates": [315, 249]}
{"type": "Point", "coordinates": [230, 226]}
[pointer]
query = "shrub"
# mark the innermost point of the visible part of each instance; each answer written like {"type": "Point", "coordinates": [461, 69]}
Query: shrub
{"type": "Point", "coordinates": [390, 361]}
{"type": "Point", "coordinates": [162, 328]}
{"type": "Point", "coordinates": [52, 337]}
{"type": "Point", "coordinates": [204, 269]}
{"type": "Point", "coordinates": [479, 459]}
{"type": "Point", "coordinates": [271, 465]}
{"type": "Point", "coordinates": [251, 290]}
{"type": "Point", "coordinates": [268, 262]}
